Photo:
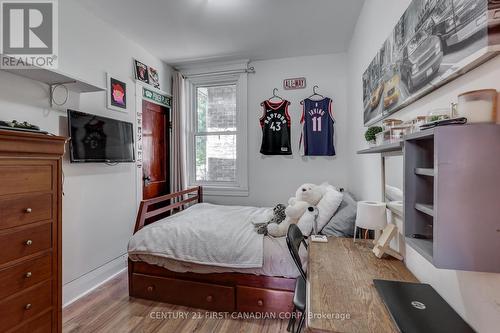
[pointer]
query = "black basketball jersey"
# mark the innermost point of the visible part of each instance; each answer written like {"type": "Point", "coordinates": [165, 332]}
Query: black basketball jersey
{"type": "Point", "coordinates": [275, 123]}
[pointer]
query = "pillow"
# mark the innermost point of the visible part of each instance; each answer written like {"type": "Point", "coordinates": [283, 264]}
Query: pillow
{"type": "Point", "coordinates": [328, 205]}
{"type": "Point", "coordinates": [393, 193]}
{"type": "Point", "coordinates": [342, 223]}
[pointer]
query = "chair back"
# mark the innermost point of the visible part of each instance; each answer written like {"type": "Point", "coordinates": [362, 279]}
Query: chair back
{"type": "Point", "coordinates": [294, 238]}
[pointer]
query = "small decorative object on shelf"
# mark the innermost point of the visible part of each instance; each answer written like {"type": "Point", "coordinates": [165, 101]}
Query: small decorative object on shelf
{"type": "Point", "coordinates": [370, 134]}
{"type": "Point", "coordinates": [393, 134]}
{"type": "Point", "coordinates": [20, 126]}
{"type": "Point", "coordinates": [438, 115]}
{"type": "Point", "coordinates": [478, 106]}
{"type": "Point", "coordinates": [379, 139]}
{"type": "Point", "coordinates": [390, 123]}
{"type": "Point", "coordinates": [415, 123]}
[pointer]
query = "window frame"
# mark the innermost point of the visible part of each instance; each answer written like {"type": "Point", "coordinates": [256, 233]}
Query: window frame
{"type": "Point", "coordinates": [240, 186]}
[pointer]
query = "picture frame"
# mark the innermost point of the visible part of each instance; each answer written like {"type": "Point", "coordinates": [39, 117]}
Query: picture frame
{"type": "Point", "coordinates": [434, 42]}
{"type": "Point", "coordinates": [116, 94]}
{"type": "Point", "coordinates": [154, 78]}
{"type": "Point", "coordinates": [141, 71]}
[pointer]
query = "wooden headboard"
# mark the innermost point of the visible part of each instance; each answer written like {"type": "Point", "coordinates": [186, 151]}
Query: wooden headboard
{"type": "Point", "coordinates": [146, 213]}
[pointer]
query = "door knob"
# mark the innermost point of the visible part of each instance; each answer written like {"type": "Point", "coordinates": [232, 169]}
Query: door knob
{"type": "Point", "coordinates": [146, 180]}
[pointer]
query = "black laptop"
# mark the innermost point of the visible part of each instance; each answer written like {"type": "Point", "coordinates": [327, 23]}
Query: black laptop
{"type": "Point", "coordinates": [418, 308]}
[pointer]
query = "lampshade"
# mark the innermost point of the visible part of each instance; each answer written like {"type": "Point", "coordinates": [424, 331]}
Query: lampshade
{"type": "Point", "coordinates": [371, 215]}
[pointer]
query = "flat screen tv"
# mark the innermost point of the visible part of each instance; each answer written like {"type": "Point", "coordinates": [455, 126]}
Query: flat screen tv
{"type": "Point", "coordinates": [99, 139]}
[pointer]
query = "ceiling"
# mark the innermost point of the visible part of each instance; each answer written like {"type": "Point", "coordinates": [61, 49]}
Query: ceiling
{"type": "Point", "coordinates": [180, 31]}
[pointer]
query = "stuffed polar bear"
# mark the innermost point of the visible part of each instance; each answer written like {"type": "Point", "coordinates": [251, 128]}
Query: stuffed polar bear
{"type": "Point", "coordinates": [301, 210]}
{"type": "Point", "coordinates": [307, 195]}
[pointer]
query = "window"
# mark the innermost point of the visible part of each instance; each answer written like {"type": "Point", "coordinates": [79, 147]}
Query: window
{"type": "Point", "coordinates": [217, 140]}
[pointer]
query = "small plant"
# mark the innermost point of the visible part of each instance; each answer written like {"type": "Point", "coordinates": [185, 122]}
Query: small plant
{"type": "Point", "coordinates": [371, 132]}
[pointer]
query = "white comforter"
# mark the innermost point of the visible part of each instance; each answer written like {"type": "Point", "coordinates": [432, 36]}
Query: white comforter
{"type": "Point", "coordinates": [205, 234]}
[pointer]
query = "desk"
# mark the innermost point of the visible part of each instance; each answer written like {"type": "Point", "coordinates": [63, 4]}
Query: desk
{"type": "Point", "coordinates": [340, 286]}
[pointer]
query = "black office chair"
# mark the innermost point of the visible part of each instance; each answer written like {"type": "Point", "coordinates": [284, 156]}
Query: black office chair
{"type": "Point", "coordinates": [294, 238]}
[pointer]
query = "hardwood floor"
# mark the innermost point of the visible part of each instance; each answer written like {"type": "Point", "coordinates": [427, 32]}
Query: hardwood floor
{"type": "Point", "coordinates": [109, 309]}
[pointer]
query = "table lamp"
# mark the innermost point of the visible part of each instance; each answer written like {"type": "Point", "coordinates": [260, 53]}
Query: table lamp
{"type": "Point", "coordinates": [370, 215]}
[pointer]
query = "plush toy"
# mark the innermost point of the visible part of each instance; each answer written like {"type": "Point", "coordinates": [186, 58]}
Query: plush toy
{"type": "Point", "coordinates": [307, 195]}
{"type": "Point", "coordinates": [278, 217]}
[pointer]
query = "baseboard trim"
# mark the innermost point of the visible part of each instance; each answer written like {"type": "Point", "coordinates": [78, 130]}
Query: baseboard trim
{"type": "Point", "coordinates": [76, 289]}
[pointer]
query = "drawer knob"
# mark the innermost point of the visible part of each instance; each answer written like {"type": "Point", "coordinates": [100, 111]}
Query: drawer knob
{"type": "Point", "coordinates": [150, 289]}
{"type": "Point", "coordinates": [28, 210]}
{"type": "Point", "coordinates": [28, 275]}
{"type": "Point", "coordinates": [29, 242]}
{"type": "Point", "coordinates": [27, 306]}
{"type": "Point", "coordinates": [210, 298]}
{"type": "Point", "coordinates": [260, 302]}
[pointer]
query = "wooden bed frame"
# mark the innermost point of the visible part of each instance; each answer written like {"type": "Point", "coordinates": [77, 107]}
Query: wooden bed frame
{"type": "Point", "coordinates": [225, 292]}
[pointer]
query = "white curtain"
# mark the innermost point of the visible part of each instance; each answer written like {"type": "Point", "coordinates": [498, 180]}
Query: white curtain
{"type": "Point", "coordinates": [178, 144]}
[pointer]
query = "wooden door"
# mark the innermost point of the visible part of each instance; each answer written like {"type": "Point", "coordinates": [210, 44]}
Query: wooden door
{"type": "Point", "coordinates": [155, 124]}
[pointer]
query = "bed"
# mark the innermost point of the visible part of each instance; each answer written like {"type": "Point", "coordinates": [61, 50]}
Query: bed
{"type": "Point", "coordinates": [169, 272]}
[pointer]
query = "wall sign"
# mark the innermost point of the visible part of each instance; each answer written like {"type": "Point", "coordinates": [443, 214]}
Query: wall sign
{"type": "Point", "coordinates": [156, 97]}
{"type": "Point", "coordinates": [138, 158]}
{"type": "Point", "coordinates": [296, 83]}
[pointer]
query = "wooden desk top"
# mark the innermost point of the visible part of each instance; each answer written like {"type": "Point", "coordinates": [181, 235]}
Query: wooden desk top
{"type": "Point", "coordinates": [341, 296]}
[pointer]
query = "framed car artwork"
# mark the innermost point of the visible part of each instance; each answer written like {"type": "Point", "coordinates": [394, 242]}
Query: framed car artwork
{"type": "Point", "coordinates": [434, 42]}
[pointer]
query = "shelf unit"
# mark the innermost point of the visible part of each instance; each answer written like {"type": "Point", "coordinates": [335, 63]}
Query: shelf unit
{"type": "Point", "coordinates": [452, 177]}
{"type": "Point", "coordinates": [54, 78]}
{"type": "Point", "coordinates": [385, 148]}
{"type": "Point", "coordinates": [426, 209]}
{"type": "Point", "coordinates": [424, 172]}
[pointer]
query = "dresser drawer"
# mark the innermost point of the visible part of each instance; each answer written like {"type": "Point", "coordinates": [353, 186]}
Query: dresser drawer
{"type": "Point", "coordinates": [263, 300]}
{"type": "Point", "coordinates": [24, 275]}
{"type": "Point", "coordinates": [23, 209]}
{"type": "Point", "coordinates": [41, 324]}
{"type": "Point", "coordinates": [24, 241]}
{"type": "Point", "coordinates": [25, 305]}
{"type": "Point", "coordinates": [188, 293]}
{"type": "Point", "coordinates": [25, 178]}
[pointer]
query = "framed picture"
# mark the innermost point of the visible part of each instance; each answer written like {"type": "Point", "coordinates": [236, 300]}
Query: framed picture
{"type": "Point", "coordinates": [434, 42]}
{"type": "Point", "coordinates": [116, 94]}
{"type": "Point", "coordinates": [153, 77]}
{"type": "Point", "coordinates": [141, 71]}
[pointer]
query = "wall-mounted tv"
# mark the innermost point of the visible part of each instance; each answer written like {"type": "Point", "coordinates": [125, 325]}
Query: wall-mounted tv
{"type": "Point", "coordinates": [434, 42]}
{"type": "Point", "coordinates": [99, 139]}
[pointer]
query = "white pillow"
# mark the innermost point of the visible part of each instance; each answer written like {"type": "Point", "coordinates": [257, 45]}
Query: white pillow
{"type": "Point", "coordinates": [393, 193]}
{"type": "Point", "coordinates": [328, 205]}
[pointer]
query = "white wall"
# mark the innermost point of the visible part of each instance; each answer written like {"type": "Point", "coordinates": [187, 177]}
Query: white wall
{"type": "Point", "coordinates": [273, 179]}
{"type": "Point", "coordinates": [99, 201]}
{"type": "Point", "coordinates": [476, 296]}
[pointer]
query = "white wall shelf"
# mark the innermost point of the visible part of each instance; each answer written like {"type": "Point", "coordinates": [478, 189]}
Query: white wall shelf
{"type": "Point", "coordinates": [426, 209]}
{"type": "Point", "coordinates": [53, 77]}
{"type": "Point", "coordinates": [424, 172]}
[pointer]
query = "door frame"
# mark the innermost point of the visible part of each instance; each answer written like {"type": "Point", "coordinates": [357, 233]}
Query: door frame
{"type": "Point", "coordinates": [139, 97]}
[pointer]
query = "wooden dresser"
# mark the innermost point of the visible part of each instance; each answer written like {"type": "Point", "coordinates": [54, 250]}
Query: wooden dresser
{"type": "Point", "coordinates": [30, 232]}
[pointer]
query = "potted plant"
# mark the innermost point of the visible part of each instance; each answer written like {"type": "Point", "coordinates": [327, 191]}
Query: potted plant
{"type": "Point", "coordinates": [371, 133]}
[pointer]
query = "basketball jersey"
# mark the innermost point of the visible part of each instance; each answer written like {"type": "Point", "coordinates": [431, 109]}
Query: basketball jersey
{"type": "Point", "coordinates": [275, 124]}
{"type": "Point", "coordinates": [317, 131]}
